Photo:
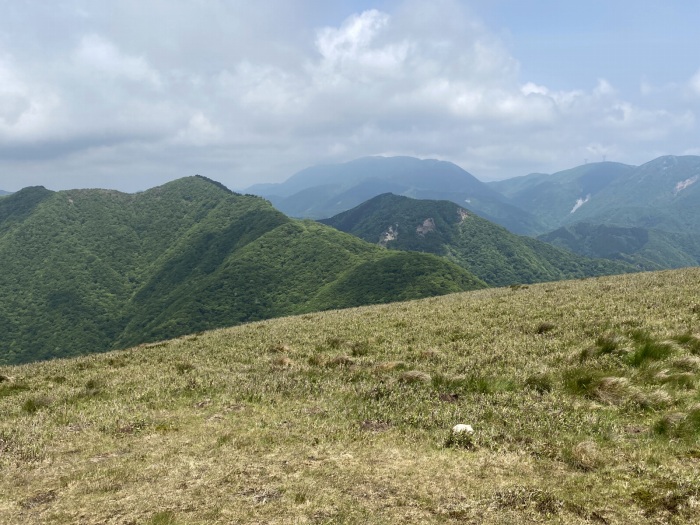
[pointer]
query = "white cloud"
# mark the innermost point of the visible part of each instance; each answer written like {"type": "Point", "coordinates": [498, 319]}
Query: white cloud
{"type": "Point", "coordinates": [102, 56]}
{"type": "Point", "coordinates": [222, 88]}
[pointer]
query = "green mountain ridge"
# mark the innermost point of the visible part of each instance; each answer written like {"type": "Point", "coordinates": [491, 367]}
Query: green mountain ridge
{"type": "Point", "coordinates": [663, 194]}
{"type": "Point", "coordinates": [91, 270]}
{"type": "Point", "coordinates": [487, 250]}
{"type": "Point", "coordinates": [647, 215]}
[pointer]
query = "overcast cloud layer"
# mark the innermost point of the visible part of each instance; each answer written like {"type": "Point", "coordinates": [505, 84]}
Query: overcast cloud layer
{"type": "Point", "coordinates": [129, 94]}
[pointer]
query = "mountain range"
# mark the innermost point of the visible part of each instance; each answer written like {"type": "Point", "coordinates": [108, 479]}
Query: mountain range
{"type": "Point", "coordinates": [321, 192]}
{"type": "Point", "coordinates": [90, 270]}
{"type": "Point", "coordinates": [647, 215]}
{"type": "Point", "coordinates": [662, 194]}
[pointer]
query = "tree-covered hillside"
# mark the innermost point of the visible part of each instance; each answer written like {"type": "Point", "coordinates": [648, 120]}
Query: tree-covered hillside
{"type": "Point", "coordinates": [647, 248]}
{"type": "Point", "coordinates": [90, 270]}
{"type": "Point", "coordinates": [489, 251]}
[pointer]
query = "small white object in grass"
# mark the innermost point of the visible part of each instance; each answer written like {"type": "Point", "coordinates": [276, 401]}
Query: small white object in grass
{"type": "Point", "coordinates": [462, 429]}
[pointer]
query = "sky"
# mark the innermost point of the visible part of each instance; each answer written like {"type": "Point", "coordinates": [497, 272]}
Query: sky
{"type": "Point", "coordinates": [130, 94]}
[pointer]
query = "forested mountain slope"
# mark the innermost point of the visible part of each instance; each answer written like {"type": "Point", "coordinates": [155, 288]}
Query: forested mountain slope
{"type": "Point", "coordinates": [89, 270]}
{"type": "Point", "coordinates": [491, 252]}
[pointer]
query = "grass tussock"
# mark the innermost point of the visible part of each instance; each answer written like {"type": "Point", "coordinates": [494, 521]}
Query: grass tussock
{"type": "Point", "coordinates": [346, 416]}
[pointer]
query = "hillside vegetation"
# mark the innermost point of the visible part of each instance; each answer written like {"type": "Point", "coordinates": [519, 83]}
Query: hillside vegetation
{"type": "Point", "coordinates": [92, 270]}
{"type": "Point", "coordinates": [583, 395]}
{"type": "Point", "coordinates": [645, 248]}
{"type": "Point", "coordinates": [489, 251]}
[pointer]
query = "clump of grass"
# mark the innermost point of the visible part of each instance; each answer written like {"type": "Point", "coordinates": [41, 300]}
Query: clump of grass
{"type": "Point", "coordinates": [12, 387]}
{"type": "Point", "coordinates": [34, 404]}
{"type": "Point", "coordinates": [414, 376]}
{"type": "Point", "coordinates": [584, 456]}
{"type": "Point", "coordinates": [587, 353]}
{"type": "Point", "coordinates": [648, 349]}
{"type": "Point", "coordinates": [390, 365]}
{"type": "Point", "coordinates": [608, 343]}
{"type": "Point", "coordinates": [431, 354]}
{"type": "Point", "coordinates": [541, 382]}
{"type": "Point", "coordinates": [448, 383]}
{"type": "Point", "coordinates": [38, 499]}
{"type": "Point", "coordinates": [611, 390]}
{"type": "Point", "coordinates": [544, 328]}
{"type": "Point", "coordinates": [282, 361]}
{"type": "Point", "coordinates": [334, 342]}
{"type": "Point", "coordinates": [684, 380]}
{"type": "Point", "coordinates": [92, 388]}
{"type": "Point", "coordinates": [132, 427]}
{"type": "Point", "coordinates": [653, 400]}
{"type": "Point", "coordinates": [489, 384]}
{"type": "Point", "coordinates": [163, 517]}
{"type": "Point", "coordinates": [464, 440]}
{"type": "Point", "coordinates": [279, 349]}
{"type": "Point", "coordinates": [184, 367]}
{"type": "Point", "coordinates": [359, 348]}
{"type": "Point", "coordinates": [690, 341]}
{"type": "Point", "coordinates": [680, 424]}
{"type": "Point", "coordinates": [581, 381]}
{"type": "Point", "coordinates": [670, 499]}
{"type": "Point", "coordinates": [340, 360]}
{"type": "Point", "coordinates": [669, 423]}
{"type": "Point", "coordinates": [522, 498]}
{"type": "Point", "coordinates": [688, 363]}
{"type": "Point", "coordinates": [317, 360]}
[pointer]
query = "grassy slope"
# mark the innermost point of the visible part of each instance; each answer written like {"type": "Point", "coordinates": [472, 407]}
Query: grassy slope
{"type": "Point", "coordinates": [583, 396]}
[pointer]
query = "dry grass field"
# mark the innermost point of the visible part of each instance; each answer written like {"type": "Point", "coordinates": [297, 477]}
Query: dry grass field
{"type": "Point", "coordinates": [584, 398]}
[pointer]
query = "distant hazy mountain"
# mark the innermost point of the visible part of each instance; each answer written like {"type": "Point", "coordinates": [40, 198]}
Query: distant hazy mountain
{"type": "Point", "coordinates": [648, 215]}
{"type": "Point", "coordinates": [3, 193]}
{"type": "Point", "coordinates": [663, 194]}
{"type": "Point", "coordinates": [324, 191]}
{"type": "Point", "coordinates": [558, 198]}
{"type": "Point", "coordinates": [89, 270]}
{"type": "Point", "coordinates": [491, 252]}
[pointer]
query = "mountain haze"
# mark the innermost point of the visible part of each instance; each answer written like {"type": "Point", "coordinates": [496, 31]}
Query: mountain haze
{"type": "Point", "coordinates": [89, 270]}
{"type": "Point", "coordinates": [663, 194]}
{"type": "Point", "coordinates": [324, 191]}
{"type": "Point", "coordinates": [558, 198]}
{"type": "Point", "coordinates": [491, 252]}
